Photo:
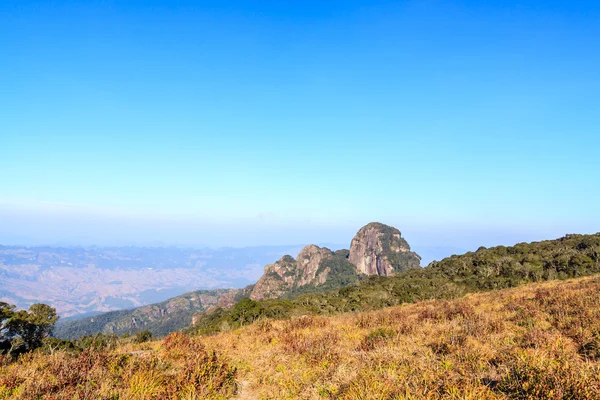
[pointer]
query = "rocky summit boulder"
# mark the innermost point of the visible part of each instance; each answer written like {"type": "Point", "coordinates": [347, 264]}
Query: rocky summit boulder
{"type": "Point", "coordinates": [379, 249]}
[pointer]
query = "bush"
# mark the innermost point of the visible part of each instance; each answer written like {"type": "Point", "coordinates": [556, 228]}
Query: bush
{"type": "Point", "coordinates": [142, 337]}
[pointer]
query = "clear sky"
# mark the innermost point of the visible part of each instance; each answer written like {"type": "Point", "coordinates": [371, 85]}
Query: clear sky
{"type": "Point", "coordinates": [267, 122]}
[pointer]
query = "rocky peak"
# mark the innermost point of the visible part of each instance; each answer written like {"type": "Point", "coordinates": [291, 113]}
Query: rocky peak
{"type": "Point", "coordinates": [379, 249]}
{"type": "Point", "coordinates": [288, 273]}
{"type": "Point", "coordinates": [309, 259]}
{"type": "Point", "coordinates": [284, 269]}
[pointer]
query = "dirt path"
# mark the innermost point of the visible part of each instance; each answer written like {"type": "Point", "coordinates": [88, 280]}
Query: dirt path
{"type": "Point", "coordinates": [244, 391]}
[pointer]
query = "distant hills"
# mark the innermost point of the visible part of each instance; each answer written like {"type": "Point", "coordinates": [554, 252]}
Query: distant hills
{"type": "Point", "coordinates": [160, 318]}
{"type": "Point", "coordinates": [91, 280]}
{"type": "Point", "coordinates": [531, 342]}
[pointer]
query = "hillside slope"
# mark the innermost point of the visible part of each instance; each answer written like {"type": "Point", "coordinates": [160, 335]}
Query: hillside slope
{"type": "Point", "coordinates": [539, 341]}
{"type": "Point", "coordinates": [160, 318]}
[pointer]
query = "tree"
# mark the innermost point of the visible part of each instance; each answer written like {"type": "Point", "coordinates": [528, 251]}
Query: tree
{"type": "Point", "coordinates": [22, 330]}
{"type": "Point", "coordinates": [246, 311]}
{"type": "Point", "coordinates": [6, 313]}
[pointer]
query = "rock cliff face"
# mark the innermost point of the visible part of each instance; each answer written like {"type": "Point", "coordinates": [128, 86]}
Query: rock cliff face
{"type": "Point", "coordinates": [308, 262]}
{"type": "Point", "coordinates": [378, 249]}
{"type": "Point", "coordinates": [288, 273]}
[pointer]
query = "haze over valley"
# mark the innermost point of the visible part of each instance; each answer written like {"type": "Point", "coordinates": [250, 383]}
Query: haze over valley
{"type": "Point", "coordinates": [79, 281]}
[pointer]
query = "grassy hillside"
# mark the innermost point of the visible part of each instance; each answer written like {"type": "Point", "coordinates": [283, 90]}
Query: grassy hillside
{"type": "Point", "coordinates": [486, 269]}
{"type": "Point", "coordinates": [537, 341]}
{"type": "Point", "coordinates": [160, 318]}
{"type": "Point", "coordinates": [179, 367]}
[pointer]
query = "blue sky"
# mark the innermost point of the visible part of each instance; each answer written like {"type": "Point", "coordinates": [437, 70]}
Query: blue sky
{"type": "Point", "coordinates": [240, 123]}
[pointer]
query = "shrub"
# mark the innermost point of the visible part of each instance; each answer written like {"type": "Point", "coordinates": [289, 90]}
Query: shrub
{"type": "Point", "coordinates": [538, 375]}
{"type": "Point", "coordinates": [377, 337]}
{"type": "Point", "coordinates": [303, 322]}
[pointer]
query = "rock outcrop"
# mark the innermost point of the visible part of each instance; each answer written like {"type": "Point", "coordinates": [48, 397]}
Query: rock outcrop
{"type": "Point", "coordinates": [379, 249]}
{"type": "Point", "coordinates": [308, 262]}
{"type": "Point", "coordinates": [289, 274]}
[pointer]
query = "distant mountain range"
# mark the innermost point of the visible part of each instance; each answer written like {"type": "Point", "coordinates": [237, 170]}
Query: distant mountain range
{"type": "Point", "coordinates": [80, 281]}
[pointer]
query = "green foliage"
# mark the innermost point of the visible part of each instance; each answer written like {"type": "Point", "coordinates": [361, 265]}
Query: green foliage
{"type": "Point", "coordinates": [161, 318]}
{"type": "Point", "coordinates": [403, 261]}
{"type": "Point", "coordinates": [22, 331]}
{"type": "Point", "coordinates": [52, 345]}
{"type": "Point", "coordinates": [98, 341]}
{"type": "Point", "coordinates": [246, 311]}
{"type": "Point", "coordinates": [377, 337]}
{"type": "Point", "coordinates": [6, 313]}
{"type": "Point", "coordinates": [142, 337]}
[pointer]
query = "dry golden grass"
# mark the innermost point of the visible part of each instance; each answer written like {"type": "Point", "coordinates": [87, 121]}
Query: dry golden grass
{"type": "Point", "coordinates": [539, 341]}
{"type": "Point", "coordinates": [178, 368]}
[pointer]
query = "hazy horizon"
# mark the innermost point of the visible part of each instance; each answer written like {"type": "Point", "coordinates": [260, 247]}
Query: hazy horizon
{"type": "Point", "coordinates": [240, 124]}
{"type": "Point", "coordinates": [465, 241]}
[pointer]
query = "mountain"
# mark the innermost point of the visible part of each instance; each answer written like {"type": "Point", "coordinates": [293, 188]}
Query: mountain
{"type": "Point", "coordinates": [537, 341]}
{"type": "Point", "coordinates": [379, 270]}
{"type": "Point", "coordinates": [376, 249]}
{"type": "Point", "coordinates": [315, 269]}
{"type": "Point", "coordinates": [160, 318]}
{"type": "Point", "coordinates": [485, 269]}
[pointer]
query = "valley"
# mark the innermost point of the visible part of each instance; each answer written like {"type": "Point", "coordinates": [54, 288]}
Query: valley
{"type": "Point", "coordinates": [85, 281]}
